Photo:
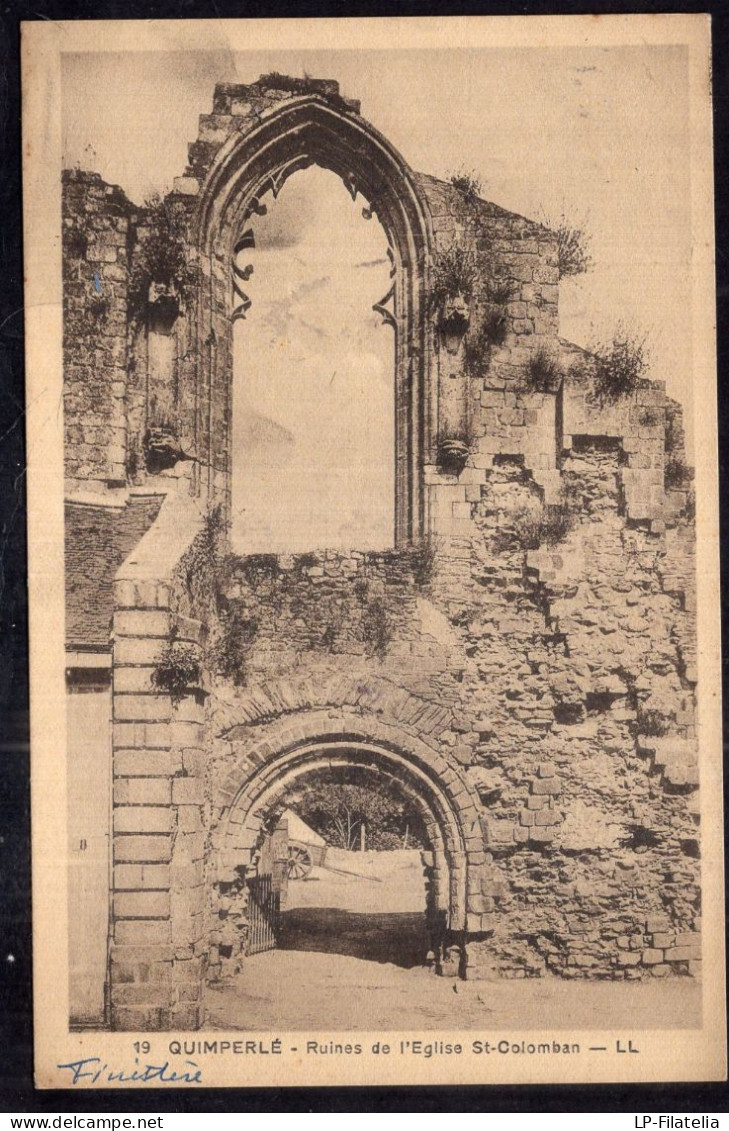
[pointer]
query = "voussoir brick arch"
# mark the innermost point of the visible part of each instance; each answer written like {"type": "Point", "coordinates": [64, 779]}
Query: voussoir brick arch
{"type": "Point", "coordinates": [260, 153]}
{"type": "Point", "coordinates": [264, 765]}
{"type": "Point", "coordinates": [368, 694]}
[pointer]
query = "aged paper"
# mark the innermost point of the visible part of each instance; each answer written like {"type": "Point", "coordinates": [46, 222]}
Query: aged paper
{"type": "Point", "coordinates": [373, 551]}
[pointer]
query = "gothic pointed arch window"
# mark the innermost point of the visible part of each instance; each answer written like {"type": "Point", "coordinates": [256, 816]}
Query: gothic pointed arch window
{"type": "Point", "coordinates": [246, 179]}
{"type": "Point", "coordinates": [313, 374]}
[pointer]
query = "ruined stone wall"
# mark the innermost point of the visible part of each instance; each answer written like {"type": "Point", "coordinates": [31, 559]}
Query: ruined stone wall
{"type": "Point", "coordinates": [97, 539]}
{"type": "Point", "coordinates": [96, 219]}
{"type": "Point", "coordinates": [540, 670]}
{"type": "Point", "coordinates": [573, 654]}
{"type": "Point", "coordinates": [534, 654]}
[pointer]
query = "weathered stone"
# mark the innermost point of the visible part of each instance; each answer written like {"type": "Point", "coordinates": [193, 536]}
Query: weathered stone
{"type": "Point", "coordinates": [142, 904]}
{"type": "Point", "coordinates": [142, 849]}
{"type": "Point", "coordinates": [143, 819]}
{"type": "Point", "coordinates": [682, 953]}
{"type": "Point", "coordinates": [513, 669]}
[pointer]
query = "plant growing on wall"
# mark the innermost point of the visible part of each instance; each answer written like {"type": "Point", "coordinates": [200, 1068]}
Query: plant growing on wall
{"type": "Point", "coordinates": [468, 183]}
{"type": "Point", "coordinates": [375, 626]}
{"type": "Point", "coordinates": [479, 344]}
{"type": "Point", "coordinates": [649, 417]}
{"type": "Point", "coordinates": [97, 308]}
{"type": "Point", "coordinates": [229, 654]}
{"type": "Point", "coordinates": [454, 275]}
{"type": "Point", "coordinates": [491, 329]}
{"type": "Point", "coordinates": [178, 670]}
{"type": "Point", "coordinates": [553, 524]}
{"type": "Point", "coordinates": [424, 557]}
{"type": "Point", "coordinates": [573, 244]}
{"type": "Point", "coordinates": [651, 722]}
{"type": "Point", "coordinates": [677, 474]}
{"type": "Point", "coordinates": [161, 269]}
{"type": "Point", "coordinates": [688, 510]}
{"type": "Point", "coordinates": [546, 526]}
{"type": "Point", "coordinates": [500, 291]}
{"type": "Point", "coordinates": [674, 439]}
{"type": "Point", "coordinates": [543, 372]}
{"type": "Point", "coordinates": [260, 569]}
{"type": "Point", "coordinates": [620, 365]}
{"type": "Point", "coordinates": [200, 567]}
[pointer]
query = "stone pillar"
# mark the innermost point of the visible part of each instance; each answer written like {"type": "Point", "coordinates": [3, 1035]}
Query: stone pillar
{"type": "Point", "coordinates": [158, 948]}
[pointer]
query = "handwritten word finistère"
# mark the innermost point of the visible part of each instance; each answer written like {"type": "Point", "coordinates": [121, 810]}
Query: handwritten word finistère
{"type": "Point", "coordinates": [91, 1070]}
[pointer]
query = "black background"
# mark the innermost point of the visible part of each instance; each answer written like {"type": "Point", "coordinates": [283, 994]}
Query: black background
{"type": "Point", "coordinates": [16, 1088]}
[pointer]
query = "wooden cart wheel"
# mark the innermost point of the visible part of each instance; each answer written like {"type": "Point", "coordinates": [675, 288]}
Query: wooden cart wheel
{"type": "Point", "coordinates": [300, 862]}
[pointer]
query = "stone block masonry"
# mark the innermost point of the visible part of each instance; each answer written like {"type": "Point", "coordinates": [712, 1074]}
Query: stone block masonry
{"type": "Point", "coordinates": [158, 954]}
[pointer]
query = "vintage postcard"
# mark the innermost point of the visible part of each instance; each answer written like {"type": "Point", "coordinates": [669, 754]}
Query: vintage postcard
{"type": "Point", "coordinates": [373, 551]}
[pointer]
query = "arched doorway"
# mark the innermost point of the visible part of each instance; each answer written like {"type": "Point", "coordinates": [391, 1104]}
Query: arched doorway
{"type": "Point", "coordinates": [357, 878]}
{"type": "Point", "coordinates": [445, 811]}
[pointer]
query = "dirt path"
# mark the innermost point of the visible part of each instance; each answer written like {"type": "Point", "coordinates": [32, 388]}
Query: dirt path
{"type": "Point", "coordinates": [292, 990]}
{"type": "Point", "coordinates": [351, 954]}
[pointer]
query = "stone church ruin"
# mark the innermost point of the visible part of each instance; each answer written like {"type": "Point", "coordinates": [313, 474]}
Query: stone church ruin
{"type": "Point", "coordinates": [520, 660]}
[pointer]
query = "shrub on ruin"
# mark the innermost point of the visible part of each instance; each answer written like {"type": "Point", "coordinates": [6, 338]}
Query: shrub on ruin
{"type": "Point", "coordinates": [573, 244]}
{"type": "Point", "coordinates": [677, 474]}
{"type": "Point", "coordinates": [75, 245]}
{"type": "Point", "coordinates": [468, 183]}
{"type": "Point", "coordinates": [639, 838]}
{"type": "Point", "coordinates": [480, 342]}
{"type": "Point", "coordinates": [376, 628]}
{"type": "Point", "coordinates": [649, 417]}
{"type": "Point", "coordinates": [203, 567]}
{"type": "Point", "coordinates": [97, 309]}
{"type": "Point", "coordinates": [178, 670]}
{"type": "Point", "coordinates": [305, 561]}
{"type": "Point", "coordinates": [621, 365]}
{"type": "Point", "coordinates": [500, 291]}
{"type": "Point", "coordinates": [554, 524]}
{"type": "Point", "coordinates": [652, 723]}
{"type": "Point", "coordinates": [259, 569]}
{"type": "Point", "coordinates": [547, 526]}
{"type": "Point", "coordinates": [229, 653]}
{"type": "Point", "coordinates": [454, 274]}
{"type": "Point", "coordinates": [543, 372]}
{"type": "Point", "coordinates": [275, 80]}
{"type": "Point", "coordinates": [161, 257]}
{"type": "Point", "coordinates": [424, 557]}
{"type": "Point", "coordinates": [673, 440]}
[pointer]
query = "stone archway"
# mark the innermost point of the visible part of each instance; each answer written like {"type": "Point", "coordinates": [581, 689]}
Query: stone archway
{"type": "Point", "coordinates": [267, 760]}
{"type": "Point", "coordinates": [292, 134]}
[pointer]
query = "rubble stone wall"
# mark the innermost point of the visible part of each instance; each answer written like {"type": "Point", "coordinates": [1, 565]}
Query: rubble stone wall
{"type": "Point", "coordinates": [95, 274]}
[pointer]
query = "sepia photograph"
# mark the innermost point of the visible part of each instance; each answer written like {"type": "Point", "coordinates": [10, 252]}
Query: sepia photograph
{"type": "Point", "coordinates": [373, 551]}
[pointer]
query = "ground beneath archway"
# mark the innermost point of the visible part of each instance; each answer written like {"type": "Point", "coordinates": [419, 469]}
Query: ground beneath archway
{"type": "Point", "coordinates": [368, 905]}
{"type": "Point", "coordinates": [298, 990]}
{"type": "Point", "coordinates": [353, 961]}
